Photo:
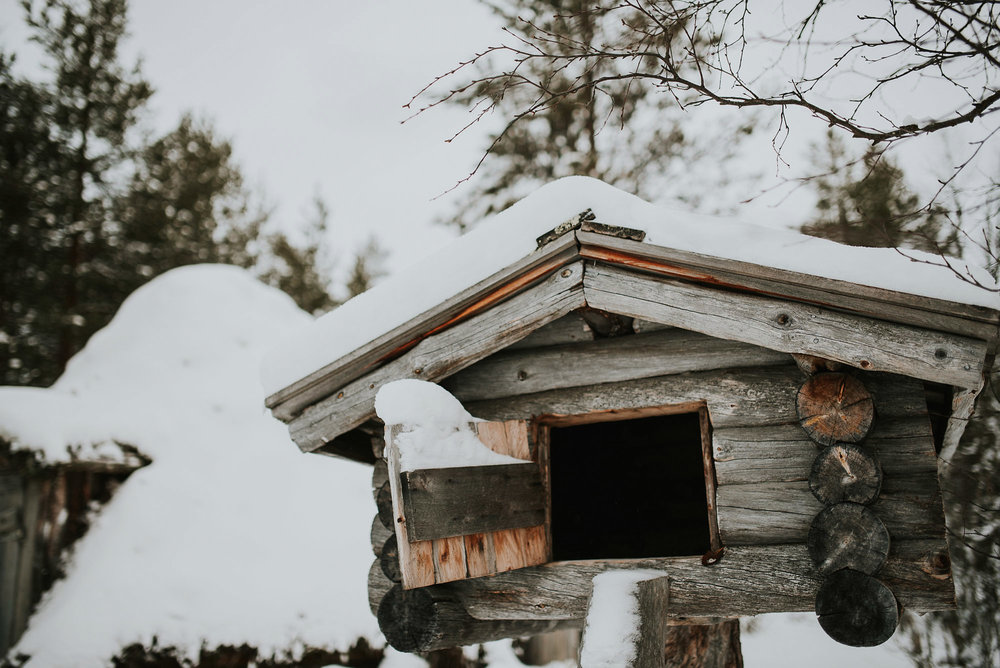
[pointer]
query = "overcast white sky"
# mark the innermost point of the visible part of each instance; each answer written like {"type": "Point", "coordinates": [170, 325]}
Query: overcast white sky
{"type": "Point", "coordinates": [312, 92]}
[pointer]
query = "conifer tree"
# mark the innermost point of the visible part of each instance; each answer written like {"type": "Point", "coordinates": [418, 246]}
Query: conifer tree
{"type": "Point", "coordinates": [865, 202]}
{"type": "Point", "coordinates": [566, 116]}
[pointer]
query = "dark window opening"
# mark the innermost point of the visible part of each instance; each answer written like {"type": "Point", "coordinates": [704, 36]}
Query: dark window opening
{"type": "Point", "coordinates": [629, 489]}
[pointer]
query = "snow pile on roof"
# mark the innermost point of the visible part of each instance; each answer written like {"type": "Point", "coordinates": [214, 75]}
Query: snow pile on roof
{"type": "Point", "coordinates": [510, 236]}
{"type": "Point", "coordinates": [230, 536]}
{"type": "Point", "coordinates": [612, 631]}
{"type": "Point", "coordinates": [436, 431]}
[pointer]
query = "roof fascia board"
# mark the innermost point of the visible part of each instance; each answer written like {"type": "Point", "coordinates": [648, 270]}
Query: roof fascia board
{"type": "Point", "coordinates": [290, 401]}
{"type": "Point", "coordinates": [927, 312]}
{"type": "Point", "coordinates": [438, 356]}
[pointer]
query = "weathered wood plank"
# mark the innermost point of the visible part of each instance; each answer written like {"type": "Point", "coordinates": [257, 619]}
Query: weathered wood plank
{"type": "Point", "coordinates": [735, 397]}
{"type": "Point", "coordinates": [789, 327]}
{"type": "Point", "coordinates": [781, 512]}
{"type": "Point", "coordinates": [457, 501]}
{"type": "Point", "coordinates": [416, 560]}
{"type": "Point", "coordinates": [653, 598]}
{"type": "Point", "coordinates": [287, 402]}
{"type": "Point", "coordinates": [570, 328]}
{"type": "Point", "coordinates": [378, 585]}
{"type": "Point", "coordinates": [421, 620]}
{"type": "Point", "coordinates": [749, 580]}
{"type": "Point", "coordinates": [975, 321]}
{"type": "Point", "coordinates": [442, 354]}
{"type": "Point", "coordinates": [662, 353]}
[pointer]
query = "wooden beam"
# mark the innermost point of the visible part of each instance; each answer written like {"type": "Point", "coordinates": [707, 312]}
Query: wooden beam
{"type": "Point", "coordinates": [778, 512]}
{"type": "Point", "coordinates": [662, 353]}
{"type": "Point", "coordinates": [289, 401]}
{"type": "Point", "coordinates": [925, 312]}
{"type": "Point", "coordinates": [861, 342]}
{"type": "Point", "coordinates": [472, 499]}
{"type": "Point", "coordinates": [442, 354]}
{"type": "Point", "coordinates": [749, 580]}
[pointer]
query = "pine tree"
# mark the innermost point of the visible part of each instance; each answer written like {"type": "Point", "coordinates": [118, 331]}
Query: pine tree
{"type": "Point", "coordinates": [865, 202]}
{"type": "Point", "coordinates": [92, 104]}
{"type": "Point", "coordinates": [622, 131]}
{"type": "Point", "coordinates": [185, 204]}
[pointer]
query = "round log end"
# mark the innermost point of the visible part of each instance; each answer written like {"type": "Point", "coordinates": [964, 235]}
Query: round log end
{"type": "Point", "coordinates": [405, 618]}
{"type": "Point", "coordinates": [848, 535]}
{"type": "Point", "coordinates": [845, 472]}
{"type": "Point", "coordinates": [390, 559]}
{"type": "Point", "coordinates": [383, 501]}
{"type": "Point", "coordinates": [856, 609]}
{"type": "Point", "coordinates": [835, 408]}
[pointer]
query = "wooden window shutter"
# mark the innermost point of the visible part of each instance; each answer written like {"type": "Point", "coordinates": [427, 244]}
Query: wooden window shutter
{"type": "Point", "coordinates": [458, 523]}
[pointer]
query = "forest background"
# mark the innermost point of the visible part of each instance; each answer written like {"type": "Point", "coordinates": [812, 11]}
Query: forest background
{"type": "Point", "coordinates": [101, 188]}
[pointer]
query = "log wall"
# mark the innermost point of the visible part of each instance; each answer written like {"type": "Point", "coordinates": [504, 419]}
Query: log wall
{"type": "Point", "coordinates": [762, 459]}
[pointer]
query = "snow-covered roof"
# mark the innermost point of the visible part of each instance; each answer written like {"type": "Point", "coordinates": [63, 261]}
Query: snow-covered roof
{"type": "Point", "coordinates": [392, 310]}
{"type": "Point", "coordinates": [229, 535]}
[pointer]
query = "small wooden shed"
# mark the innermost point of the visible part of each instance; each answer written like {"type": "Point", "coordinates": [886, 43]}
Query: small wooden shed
{"type": "Point", "coordinates": [757, 415]}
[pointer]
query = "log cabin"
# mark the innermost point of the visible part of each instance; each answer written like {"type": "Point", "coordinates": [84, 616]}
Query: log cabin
{"type": "Point", "coordinates": [757, 415]}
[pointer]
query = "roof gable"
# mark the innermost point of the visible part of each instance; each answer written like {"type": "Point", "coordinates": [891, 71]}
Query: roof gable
{"type": "Point", "coordinates": [461, 315]}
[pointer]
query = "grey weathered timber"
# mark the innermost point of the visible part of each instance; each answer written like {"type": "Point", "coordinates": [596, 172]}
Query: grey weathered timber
{"type": "Point", "coordinates": [781, 512]}
{"type": "Point", "coordinates": [735, 397]}
{"type": "Point", "coordinates": [835, 407]}
{"type": "Point", "coordinates": [380, 475]}
{"type": "Point", "coordinates": [926, 312]}
{"type": "Point", "coordinates": [379, 534]}
{"type": "Point", "coordinates": [471, 499]}
{"type": "Point", "coordinates": [845, 472]}
{"type": "Point", "coordinates": [646, 643]}
{"type": "Point", "coordinates": [749, 580]}
{"type": "Point", "coordinates": [789, 327]}
{"type": "Point", "coordinates": [429, 618]}
{"type": "Point", "coordinates": [653, 597]}
{"type": "Point", "coordinates": [783, 453]}
{"type": "Point", "coordinates": [856, 609]}
{"type": "Point", "coordinates": [570, 328]}
{"type": "Point", "coordinates": [963, 404]}
{"type": "Point", "coordinates": [378, 585]}
{"type": "Point", "coordinates": [662, 353]}
{"type": "Point", "coordinates": [383, 504]}
{"type": "Point", "coordinates": [389, 558]}
{"type": "Point", "coordinates": [848, 535]}
{"type": "Point", "coordinates": [287, 402]}
{"type": "Point", "coordinates": [442, 354]}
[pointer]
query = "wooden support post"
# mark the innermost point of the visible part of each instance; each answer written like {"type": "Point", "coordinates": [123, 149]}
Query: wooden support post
{"type": "Point", "coordinates": [628, 624]}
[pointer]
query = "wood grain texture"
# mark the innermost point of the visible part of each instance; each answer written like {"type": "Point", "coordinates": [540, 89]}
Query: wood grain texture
{"type": "Point", "coordinates": [421, 620]}
{"type": "Point", "coordinates": [379, 534]}
{"type": "Point", "coordinates": [781, 512]}
{"type": "Point", "coordinates": [856, 609]}
{"type": "Point", "coordinates": [789, 327]}
{"type": "Point", "coordinates": [653, 602]}
{"type": "Point", "coordinates": [974, 321]}
{"type": "Point", "coordinates": [378, 585]}
{"type": "Point", "coordinates": [848, 535]}
{"type": "Point", "coordinates": [568, 329]}
{"type": "Point", "coordinates": [662, 353]}
{"type": "Point", "coordinates": [845, 473]}
{"type": "Point", "coordinates": [835, 408]}
{"type": "Point", "coordinates": [747, 581]}
{"type": "Point", "coordinates": [441, 355]}
{"type": "Point", "coordinates": [472, 499]}
{"type": "Point", "coordinates": [287, 402]}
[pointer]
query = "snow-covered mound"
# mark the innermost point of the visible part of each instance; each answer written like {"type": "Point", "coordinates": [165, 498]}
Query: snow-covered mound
{"type": "Point", "coordinates": [510, 235]}
{"type": "Point", "coordinates": [230, 536]}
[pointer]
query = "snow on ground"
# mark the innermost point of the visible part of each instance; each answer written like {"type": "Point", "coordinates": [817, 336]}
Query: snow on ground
{"type": "Point", "coordinates": [231, 535]}
{"type": "Point", "coordinates": [436, 431]}
{"type": "Point", "coordinates": [510, 236]}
